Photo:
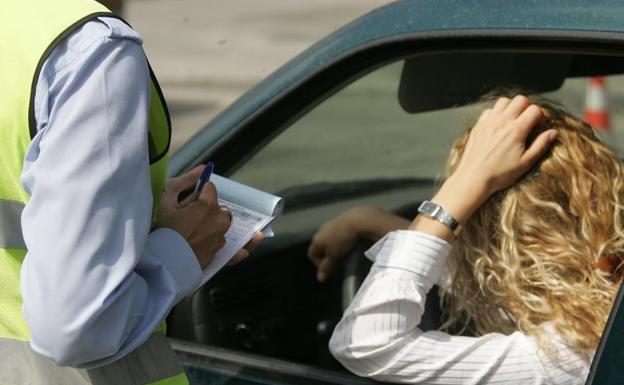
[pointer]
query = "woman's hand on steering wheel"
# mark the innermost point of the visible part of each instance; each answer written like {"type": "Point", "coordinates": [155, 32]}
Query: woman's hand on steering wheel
{"type": "Point", "coordinates": [335, 238]}
{"type": "Point", "coordinates": [331, 243]}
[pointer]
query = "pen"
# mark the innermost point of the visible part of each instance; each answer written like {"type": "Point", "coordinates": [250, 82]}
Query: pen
{"type": "Point", "coordinates": [205, 177]}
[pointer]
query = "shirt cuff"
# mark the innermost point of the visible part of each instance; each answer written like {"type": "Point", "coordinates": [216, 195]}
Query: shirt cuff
{"type": "Point", "coordinates": [422, 254]}
{"type": "Point", "coordinates": [178, 257]}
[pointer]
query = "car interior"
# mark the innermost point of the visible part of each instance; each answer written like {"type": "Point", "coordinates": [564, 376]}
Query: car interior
{"type": "Point", "coordinates": [381, 140]}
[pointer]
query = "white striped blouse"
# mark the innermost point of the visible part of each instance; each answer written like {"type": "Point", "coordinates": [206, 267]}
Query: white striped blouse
{"type": "Point", "coordinates": [378, 335]}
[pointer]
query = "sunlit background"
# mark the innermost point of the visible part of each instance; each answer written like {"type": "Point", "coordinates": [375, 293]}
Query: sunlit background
{"type": "Point", "coordinates": [206, 53]}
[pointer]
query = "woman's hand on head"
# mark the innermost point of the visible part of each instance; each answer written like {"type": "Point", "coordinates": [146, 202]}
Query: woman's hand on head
{"type": "Point", "coordinates": [497, 154]}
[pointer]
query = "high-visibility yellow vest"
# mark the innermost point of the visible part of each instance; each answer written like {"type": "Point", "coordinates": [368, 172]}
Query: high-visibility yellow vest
{"type": "Point", "coordinates": [29, 30]}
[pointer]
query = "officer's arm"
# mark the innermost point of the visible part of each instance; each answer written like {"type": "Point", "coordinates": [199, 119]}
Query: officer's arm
{"type": "Point", "coordinates": [94, 283]}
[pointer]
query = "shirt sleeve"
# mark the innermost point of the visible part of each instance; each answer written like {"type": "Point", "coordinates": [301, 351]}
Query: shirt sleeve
{"type": "Point", "coordinates": [378, 335]}
{"type": "Point", "coordinates": [95, 282]}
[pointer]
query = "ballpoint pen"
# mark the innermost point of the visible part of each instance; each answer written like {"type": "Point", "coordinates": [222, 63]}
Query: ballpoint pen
{"type": "Point", "coordinates": [205, 177]}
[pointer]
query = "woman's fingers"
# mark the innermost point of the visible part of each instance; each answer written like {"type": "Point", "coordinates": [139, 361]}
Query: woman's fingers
{"type": "Point", "coordinates": [527, 120]}
{"type": "Point", "coordinates": [496, 152]}
{"type": "Point", "coordinates": [539, 146]}
{"type": "Point", "coordinates": [325, 268]}
{"type": "Point", "coordinates": [316, 252]}
{"type": "Point", "coordinates": [500, 104]}
{"type": "Point", "coordinates": [483, 117]}
{"type": "Point", "coordinates": [521, 115]}
{"type": "Point", "coordinates": [517, 105]}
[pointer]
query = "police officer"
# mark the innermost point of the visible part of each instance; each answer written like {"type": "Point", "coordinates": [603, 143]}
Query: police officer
{"type": "Point", "coordinates": [89, 228]}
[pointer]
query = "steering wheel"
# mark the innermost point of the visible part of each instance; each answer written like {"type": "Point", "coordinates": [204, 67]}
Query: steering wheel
{"type": "Point", "coordinates": [356, 270]}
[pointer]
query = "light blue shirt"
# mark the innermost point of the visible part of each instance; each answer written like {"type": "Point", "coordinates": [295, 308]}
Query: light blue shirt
{"type": "Point", "coordinates": [95, 282]}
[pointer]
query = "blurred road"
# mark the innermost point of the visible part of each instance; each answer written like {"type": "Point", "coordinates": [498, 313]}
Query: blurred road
{"type": "Point", "coordinates": [206, 53]}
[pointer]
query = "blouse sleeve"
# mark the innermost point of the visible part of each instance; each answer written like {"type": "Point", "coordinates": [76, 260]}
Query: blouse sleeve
{"type": "Point", "coordinates": [95, 281]}
{"type": "Point", "coordinates": [378, 335]}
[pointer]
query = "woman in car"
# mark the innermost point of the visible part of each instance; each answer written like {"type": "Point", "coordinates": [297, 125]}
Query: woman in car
{"type": "Point", "coordinates": [530, 279]}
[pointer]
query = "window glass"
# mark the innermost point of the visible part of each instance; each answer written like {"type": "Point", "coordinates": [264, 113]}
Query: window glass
{"type": "Point", "coordinates": [362, 133]}
{"type": "Point", "coordinates": [584, 97]}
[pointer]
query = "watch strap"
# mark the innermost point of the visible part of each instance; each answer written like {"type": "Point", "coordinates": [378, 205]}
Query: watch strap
{"type": "Point", "coordinates": [435, 211]}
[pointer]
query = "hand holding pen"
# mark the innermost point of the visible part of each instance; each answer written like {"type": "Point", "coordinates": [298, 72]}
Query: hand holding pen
{"type": "Point", "coordinates": [199, 220]}
{"type": "Point", "coordinates": [201, 182]}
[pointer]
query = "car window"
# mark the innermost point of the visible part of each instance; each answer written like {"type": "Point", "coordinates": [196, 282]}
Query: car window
{"type": "Point", "coordinates": [580, 95]}
{"type": "Point", "coordinates": [358, 147]}
{"type": "Point", "coordinates": [361, 133]}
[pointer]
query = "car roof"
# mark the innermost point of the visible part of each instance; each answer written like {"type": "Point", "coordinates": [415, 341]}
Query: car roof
{"type": "Point", "coordinates": [423, 15]}
{"type": "Point", "coordinates": [410, 17]}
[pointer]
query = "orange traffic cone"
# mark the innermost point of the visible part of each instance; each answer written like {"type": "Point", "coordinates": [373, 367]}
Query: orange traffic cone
{"type": "Point", "coordinates": [596, 108]}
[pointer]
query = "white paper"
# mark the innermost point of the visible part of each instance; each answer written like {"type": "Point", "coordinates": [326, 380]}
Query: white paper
{"type": "Point", "coordinates": [247, 196]}
{"type": "Point", "coordinates": [245, 223]}
{"type": "Point", "coordinates": [252, 211]}
{"type": "Point", "coordinates": [268, 232]}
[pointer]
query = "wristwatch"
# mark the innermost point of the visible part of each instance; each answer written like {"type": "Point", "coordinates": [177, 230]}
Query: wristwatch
{"type": "Point", "coordinates": [435, 211]}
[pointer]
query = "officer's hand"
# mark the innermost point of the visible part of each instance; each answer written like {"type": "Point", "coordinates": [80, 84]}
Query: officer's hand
{"type": "Point", "coordinates": [244, 252]}
{"type": "Point", "coordinates": [202, 223]}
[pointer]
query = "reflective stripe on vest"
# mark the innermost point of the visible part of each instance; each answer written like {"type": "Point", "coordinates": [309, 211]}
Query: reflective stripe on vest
{"type": "Point", "coordinates": [150, 363]}
{"type": "Point", "coordinates": [10, 225]}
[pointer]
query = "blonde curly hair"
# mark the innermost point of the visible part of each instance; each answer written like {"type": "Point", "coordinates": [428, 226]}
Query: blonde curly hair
{"type": "Point", "coordinates": [528, 256]}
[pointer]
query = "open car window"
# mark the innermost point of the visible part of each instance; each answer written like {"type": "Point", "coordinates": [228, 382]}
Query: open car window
{"type": "Point", "coordinates": [361, 133]}
{"type": "Point", "coordinates": [358, 147]}
{"type": "Point", "coordinates": [361, 138]}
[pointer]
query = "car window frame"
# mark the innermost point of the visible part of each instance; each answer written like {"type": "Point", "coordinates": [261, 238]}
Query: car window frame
{"type": "Point", "coordinates": [238, 364]}
{"type": "Point", "coordinates": [605, 364]}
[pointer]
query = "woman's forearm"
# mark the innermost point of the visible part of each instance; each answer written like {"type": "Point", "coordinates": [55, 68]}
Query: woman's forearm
{"type": "Point", "coordinates": [372, 223]}
{"type": "Point", "coordinates": [458, 196]}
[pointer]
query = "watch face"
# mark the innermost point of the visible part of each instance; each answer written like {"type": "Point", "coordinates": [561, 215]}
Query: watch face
{"type": "Point", "coordinates": [436, 212]}
{"type": "Point", "coordinates": [427, 207]}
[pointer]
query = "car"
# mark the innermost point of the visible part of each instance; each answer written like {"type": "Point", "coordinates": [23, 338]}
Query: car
{"type": "Point", "coordinates": [366, 117]}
